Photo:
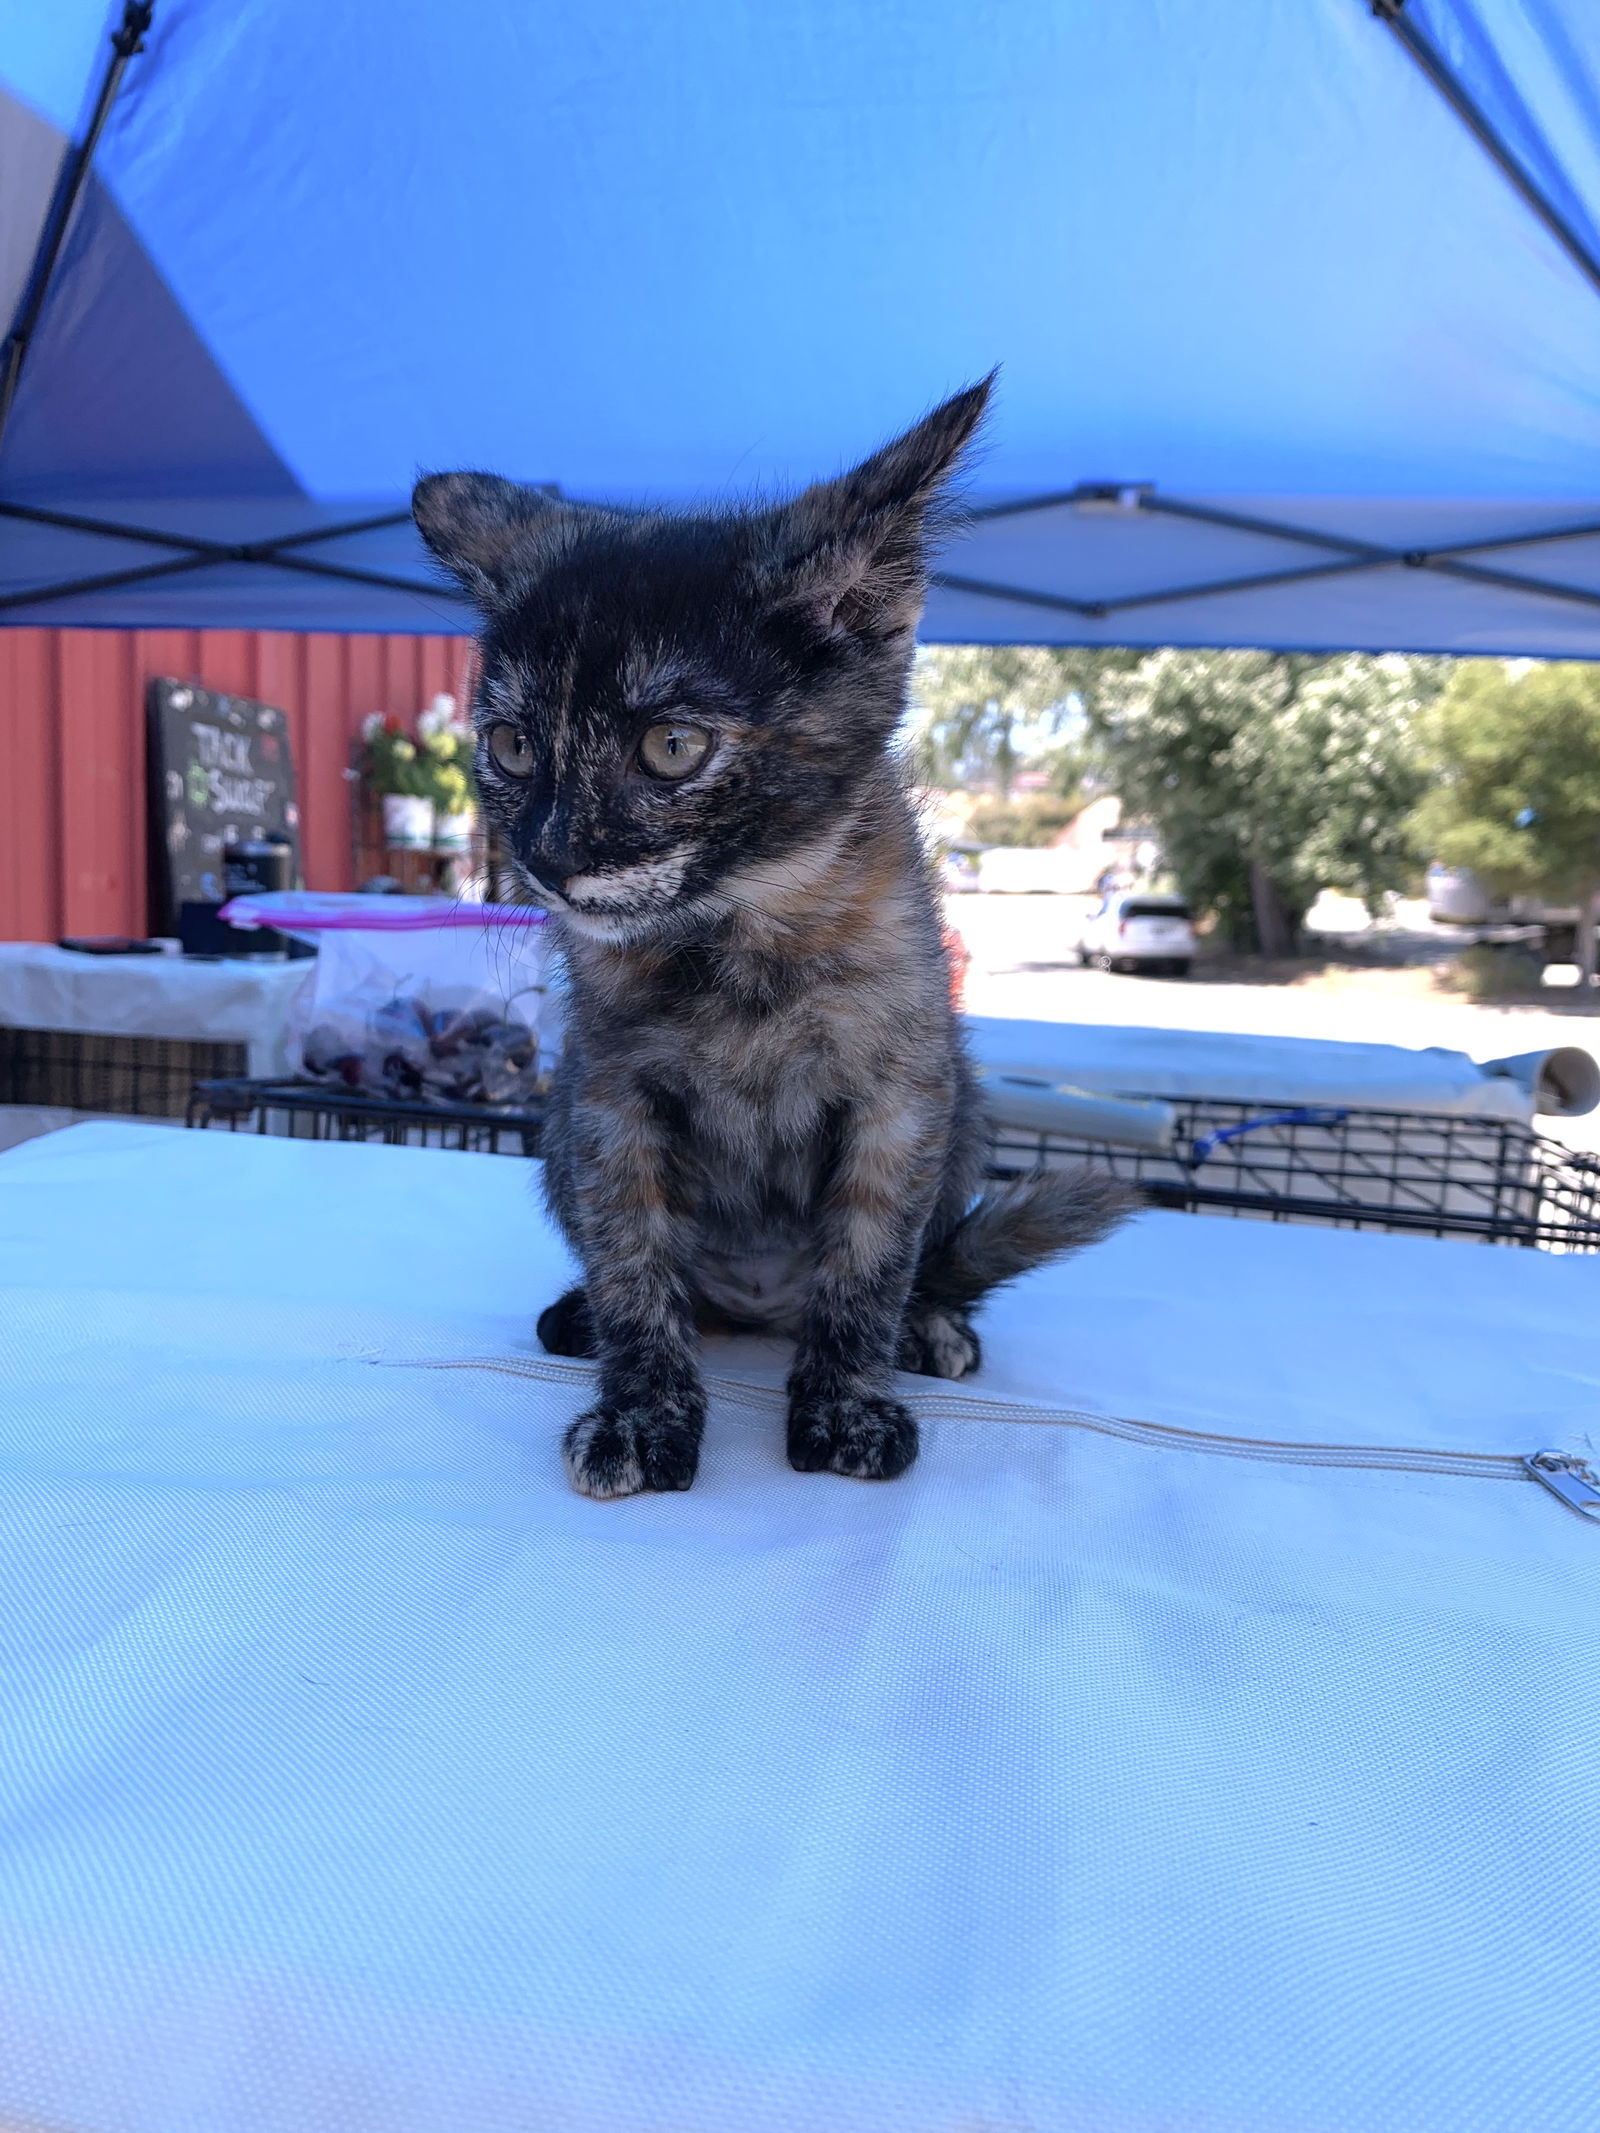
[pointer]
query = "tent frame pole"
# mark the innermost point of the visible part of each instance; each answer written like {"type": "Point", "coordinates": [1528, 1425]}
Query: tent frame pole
{"type": "Point", "coordinates": [1344, 555]}
{"type": "Point", "coordinates": [196, 553]}
{"type": "Point", "coordinates": [1341, 554]}
{"type": "Point", "coordinates": [1392, 14]}
{"type": "Point", "coordinates": [1347, 555]}
{"type": "Point", "coordinates": [126, 41]}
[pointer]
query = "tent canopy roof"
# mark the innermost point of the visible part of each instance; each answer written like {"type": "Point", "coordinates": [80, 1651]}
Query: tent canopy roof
{"type": "Point", "coordinates": [1242, 259]}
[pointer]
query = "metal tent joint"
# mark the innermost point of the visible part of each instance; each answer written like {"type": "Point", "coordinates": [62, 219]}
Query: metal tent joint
{"type": "Point", "coordinates": [129, 37]}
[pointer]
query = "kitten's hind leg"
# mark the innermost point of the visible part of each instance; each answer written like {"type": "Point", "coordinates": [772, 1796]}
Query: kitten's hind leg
{"type": "Point", "coordinates": [938, 1343]}
{"type": "Point", "coordinates": [566, 1328]}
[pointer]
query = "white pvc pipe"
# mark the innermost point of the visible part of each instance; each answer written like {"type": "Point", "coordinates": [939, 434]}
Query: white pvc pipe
{"type": "Point", "coordinates": [1036, 1100]}
{"type": "Point", "coordinates": [1564, 1083]}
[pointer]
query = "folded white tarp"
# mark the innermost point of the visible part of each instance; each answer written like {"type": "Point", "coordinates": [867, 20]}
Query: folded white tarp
{"type": "Point", "coordinates": [1247, 1069]}
{"type": "Point", "coordinates": [1095, 1778]}
{"type": "Point", "coordinates": [44, 987]}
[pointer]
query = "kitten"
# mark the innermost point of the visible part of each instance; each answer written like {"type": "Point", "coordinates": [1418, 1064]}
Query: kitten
{"type": "Point", "coordinates": [763, 1117]}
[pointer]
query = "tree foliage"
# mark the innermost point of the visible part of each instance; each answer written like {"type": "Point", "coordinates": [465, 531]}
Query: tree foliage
{"type": "Point", "coordinates": [981, 711]}
{"type": "Point", "coordinates": [1270, 776]}
{"type": "Point", "coordinates": [1517, 797]}
{"type": "Point", "coordinates": [1035, 818]}
{"type": "Point", "coordinates": [1266, 776]}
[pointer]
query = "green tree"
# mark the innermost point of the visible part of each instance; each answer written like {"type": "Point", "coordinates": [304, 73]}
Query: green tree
{"type": "Point", "coordinates": [1517, 800]}
{"type": "Point", "coordinates": [981, 711]}
{"type": "Point", "coordinates": [1034, 818]}
{"type": "Point", "coordinates": [1270, 776]}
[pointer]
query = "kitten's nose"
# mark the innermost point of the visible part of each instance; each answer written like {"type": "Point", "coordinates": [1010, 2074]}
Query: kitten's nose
{"type": "Point", "coordinates": [546, 875]}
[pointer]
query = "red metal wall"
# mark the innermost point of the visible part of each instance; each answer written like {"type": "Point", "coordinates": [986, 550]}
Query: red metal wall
{"type": "Point", "coordinates": [72, 751]}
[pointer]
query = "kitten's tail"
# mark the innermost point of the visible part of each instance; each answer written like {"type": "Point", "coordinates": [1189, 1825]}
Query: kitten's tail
{"type": "Point", "coordinates": [1018, 1226]}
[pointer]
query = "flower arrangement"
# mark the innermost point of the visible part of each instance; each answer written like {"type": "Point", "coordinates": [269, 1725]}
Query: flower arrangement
{"type": "Point", "coordinates": [389, 762]}
{"type": "Point", "coordinates": [444, 742]}
{"type": "Point", "coordinates": [424, 780]}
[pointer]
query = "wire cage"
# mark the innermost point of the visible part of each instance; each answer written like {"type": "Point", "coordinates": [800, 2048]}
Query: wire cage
{"type": "Point", "coordinates": [1427, 1173]}
{"type": "Point", "coordinates": [134, 1077]}
{"type": "Point", "coordinates": [310, 1111]}
{"type": "Point", "coordinates": [1424, 1173]}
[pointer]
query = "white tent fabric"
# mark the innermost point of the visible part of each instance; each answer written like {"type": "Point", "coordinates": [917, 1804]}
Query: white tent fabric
{"type": "Point", "coordinates": [355, 1774]}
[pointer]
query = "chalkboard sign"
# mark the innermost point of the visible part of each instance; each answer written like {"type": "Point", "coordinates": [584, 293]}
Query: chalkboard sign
{"type": "Point", "coordinates": [220, 773]}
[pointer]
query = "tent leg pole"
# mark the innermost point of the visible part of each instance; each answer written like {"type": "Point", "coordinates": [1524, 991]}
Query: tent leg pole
{"type": "Point", "coordinates": [125, 42]}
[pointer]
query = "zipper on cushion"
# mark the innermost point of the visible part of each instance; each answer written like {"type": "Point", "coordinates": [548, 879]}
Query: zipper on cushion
{"type": "Point", "coordinates": [1566, 1475]}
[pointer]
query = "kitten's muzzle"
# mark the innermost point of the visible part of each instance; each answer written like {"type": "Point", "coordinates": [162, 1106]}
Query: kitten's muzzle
{"type": "Point", "coordinates": [544, 876]}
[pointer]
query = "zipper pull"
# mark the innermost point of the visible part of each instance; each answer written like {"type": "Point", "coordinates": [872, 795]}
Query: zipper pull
{"type": "Point", "coordinates": [1570, 1478]}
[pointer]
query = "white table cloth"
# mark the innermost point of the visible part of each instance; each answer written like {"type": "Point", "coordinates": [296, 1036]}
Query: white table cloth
{"type": "Point", "coordinates": [355, 1774]}
{"type": "Point", "coordinates": [44, 987]}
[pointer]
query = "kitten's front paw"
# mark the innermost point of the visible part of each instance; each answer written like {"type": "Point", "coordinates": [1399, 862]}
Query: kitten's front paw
{"type": "Point", "coordinates": [870, 1438]}
{"type": "Point", "coordinates": [628, 1452]}
{"type": "Point", "coordinates": [939, 1344]}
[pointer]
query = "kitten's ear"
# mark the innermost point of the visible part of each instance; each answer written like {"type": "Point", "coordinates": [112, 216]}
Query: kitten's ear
{"type": "Point", "coordinates": [854, 551]}
{"type": "Point", "coordinates": [478, 524]}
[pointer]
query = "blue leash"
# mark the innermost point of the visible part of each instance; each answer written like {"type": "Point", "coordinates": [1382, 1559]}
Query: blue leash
{"type": "Point", "coordinates": [1208, 1143]}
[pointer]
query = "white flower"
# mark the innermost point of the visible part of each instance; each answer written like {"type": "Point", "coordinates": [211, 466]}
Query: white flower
{"type": "Point", "coordinates": [440, 717]}
{"type": "Point", "coordinates": [372, 725]}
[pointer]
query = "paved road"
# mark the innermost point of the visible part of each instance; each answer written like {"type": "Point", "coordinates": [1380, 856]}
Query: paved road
{"type": "Point", "coordinates": [1020, 967]}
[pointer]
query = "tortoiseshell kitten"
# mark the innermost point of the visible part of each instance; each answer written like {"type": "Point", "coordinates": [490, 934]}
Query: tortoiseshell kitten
{"type": "Point", "coordinates": [763, 1117]}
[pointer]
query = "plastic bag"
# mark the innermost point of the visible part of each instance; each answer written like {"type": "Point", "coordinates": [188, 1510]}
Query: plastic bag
{"type": "Point", "coordinates": [419, 999]}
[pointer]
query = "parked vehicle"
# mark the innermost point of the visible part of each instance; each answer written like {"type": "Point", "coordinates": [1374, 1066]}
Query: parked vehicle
{"type": "Point", "coordinates": [1456, 897]}
{"type": "Point", "coordinates": [1135, 930]}
{"type": "Point", "coordinates": [958, 870]}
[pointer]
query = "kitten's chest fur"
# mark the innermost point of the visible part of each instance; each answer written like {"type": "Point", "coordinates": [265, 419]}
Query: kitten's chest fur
{"type": "Point", "coordinates": [758, 1048]}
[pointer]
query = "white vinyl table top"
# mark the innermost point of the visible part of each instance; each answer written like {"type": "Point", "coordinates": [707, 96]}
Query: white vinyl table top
{"type": "Point", "coordinates": [355, 1774]}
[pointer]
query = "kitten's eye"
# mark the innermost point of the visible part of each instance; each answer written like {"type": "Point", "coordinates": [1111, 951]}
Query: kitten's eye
{"type": "Point", "coordinates": [512, 750]}
{"type": "Point", "coordinates": [672, 749]}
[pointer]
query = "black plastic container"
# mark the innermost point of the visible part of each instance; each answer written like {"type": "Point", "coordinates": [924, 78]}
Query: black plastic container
{"type": "Point", "coordinates": [253, 869]}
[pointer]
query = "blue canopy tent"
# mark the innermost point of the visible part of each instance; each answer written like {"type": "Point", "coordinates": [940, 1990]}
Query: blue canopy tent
{"type": "Point", "coordinates": [1298, 309]}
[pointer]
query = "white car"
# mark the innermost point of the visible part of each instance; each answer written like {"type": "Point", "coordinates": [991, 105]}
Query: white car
{"type": "Point", "coordinates": [1137, 931]}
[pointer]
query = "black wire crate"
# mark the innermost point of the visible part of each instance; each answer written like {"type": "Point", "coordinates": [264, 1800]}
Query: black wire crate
{"type": "Point", "coordinates": [1428, 1173]}
{"type": "Point", "coordinates": [311, 1111]}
